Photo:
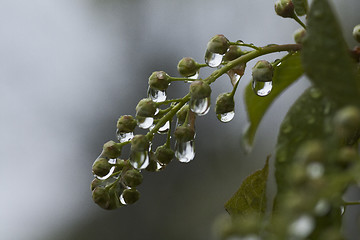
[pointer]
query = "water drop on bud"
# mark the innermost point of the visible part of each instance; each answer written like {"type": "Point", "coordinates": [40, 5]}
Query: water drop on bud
{"type": "Point", "coordinates": [284, 8]}
{"type": "Point", "coordinates": [188, 67]}
{"type": "Point", "coordinates": [130, 196]}
{"type": "Point", "coordinates": [140, 143]}
{"type": "Point", "coordinates": [126, 124]}
{"type": "Point", "coordinates": [184, 133]}
{"type": "Point", "coordinates": [101, 167]}
{"type": "Point", "coordinates": [199, 90]}
{"type": "Point", "coordinates": [262, 71]}
{"type": "Point", "coordinates": [159, 80]}
{"type": "Point", "coordinates": [218, 44]}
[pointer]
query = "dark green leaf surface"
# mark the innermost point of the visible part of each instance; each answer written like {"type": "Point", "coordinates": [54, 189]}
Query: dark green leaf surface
{"type": "Point", "coordinates": [308, 118]}
{"type": "Point", "coordinates": [326, 57]}
{"type": "Point", "coordinates": [251, 196]}
{"type": "Point", "coordinates": [284, 75]}
{"type": "Point", "coordinates": [301, 7]}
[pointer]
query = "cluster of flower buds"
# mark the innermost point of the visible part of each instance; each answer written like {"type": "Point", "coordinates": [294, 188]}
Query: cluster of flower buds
{"type": "Point", "coordinates": [117, 177]}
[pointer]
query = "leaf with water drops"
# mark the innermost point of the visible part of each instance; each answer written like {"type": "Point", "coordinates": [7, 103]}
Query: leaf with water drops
{"type": "Point", "coordinates": [251, 196]}
{"type": "Point", "coordinates": [301, 7]}
{"type": "Point", "coordinates": [326, 57]}
{"type": "Point", "coordinates": [284, 75]}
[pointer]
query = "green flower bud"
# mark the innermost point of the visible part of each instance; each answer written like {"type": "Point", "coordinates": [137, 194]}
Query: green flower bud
{"type": "Point", "coordinates": [133, 178]}
{"type": "Point", "coordinates": [126, 124]}
{"type": "Point", "coordinates": [284, 8]}
{"type": "Point", "coordinates": [346, 157]}
{"type": "Point", "coordinates": [199, 90]}
{"type": "Point", "coordinates": [218, 44]}
{"type": "Point", "coordinates": [347, 124]}
{"type": "Point", "coordinates": [184, 134]}
{"type": "Point", "coordinates": [311, 151]}
{"type": "Point", "coordinates": [164, 154]}
{"type": "Point", "coordinates": [140, 143]}
{"type": "Point", "coordinates": [95, 183]}
{"type": "Point", "coordinates": [262, 71]}
{"type": "Point", "coordinates": [101, 167]}
{"type": "Point", "coordinates": [187, 67]}
{"type": "Point", "coordinates": [131, 195]}
{"type": "Point", "coordinates": [182, 113]}
{"type": "Point", "coordinates": [159, 80]}
{"type": "Point", "coordinates": [299, 35]}
{"type": "Point", "coordinates": [224, 103]}
{"type": "Point", "coordinates": [356, 32]}
{"type": "Point", "coordinates": [146, 108]}
{"type": "Point", "coordinates": [114, 201]}
{"type": "Point", "coordinates": [111, 150]}
{"type": "Point", "coordinates": [101, 197]}
{"type": "Point", "coordinates": [153, 165]}
{"type": "Point", "coordinates": [233, 53]}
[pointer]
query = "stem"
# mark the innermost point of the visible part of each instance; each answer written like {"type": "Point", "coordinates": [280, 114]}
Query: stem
{"type": "Point", "coordinates": [168, 116]}
{"type": "Point", "coordinates": [351, 203]}
{"type": "Point", "coordinates": [245, 45]}
{"type": "Point", "coordinates": [169, 101]}
{"type": "Point", "coordinates": [251, 55]}
{"type": "Point", "coordinates": [173, 79]}
{"type": "Point", "coordinates": [297, 19]}
{"type": "Point", "coordinates": [234, 89]}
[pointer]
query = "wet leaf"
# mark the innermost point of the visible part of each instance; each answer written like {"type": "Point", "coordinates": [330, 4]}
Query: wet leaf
{"type": "Point", "coordinates": [326, 57]}
{"type": "Point", "coordinates": [301, 7]}
{"type": "Point", "coordinates": [284, 75]}
{"type": "Point", "coordinates": [251, 197]}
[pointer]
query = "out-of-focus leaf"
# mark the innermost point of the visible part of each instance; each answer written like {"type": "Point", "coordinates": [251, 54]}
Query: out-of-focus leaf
{"type": "Point", "coordinates": [251, 196]}
{"type": "Point", "coordinates": [308, 118]}
{"type": "Point", "coordinates": [301, 7]}
{"type": "Point", "coordinates": [284, 75]}
{"type": "Point", "coordinates": [326, 57]}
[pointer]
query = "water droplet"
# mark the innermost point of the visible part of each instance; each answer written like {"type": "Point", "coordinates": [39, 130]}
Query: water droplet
{"type": "Point", "coordinates": [122, 200]}
{"type": "Point", "coordinates": [239, 41]}
{"type": "Point", "coordinates": [226, 117]}
{"type": "Point", "coordinates": [213, 59]}
{"type": "Point", "coordinates": [145, 123]}
{"type": "Point", "coordinates": [315, 170]}
{"type": "Point", "coordinates": [261, 88]}
{"type": "Point", "coordinates": [200, 106]}
{"type": "Point", "coordinates": [107, 175]}
{"type": "Point", "coordinates": [156, 95]}
{"type": "Point", "coordinates": [342, 210]}
{"type": "Point", "coordinates": [139, 160]}
{"type": "Point", "coordinates": [123, 136]}
{"type": "Point", "coordinates": [236, 73]}
{"type": "Point", "coordinates": [185, 151]}
{"type": "Point", "coordinates": [322, 207]}
{"type": "Point", "coordinates": [195, 76]}
{"type": "Point", "coordinates": [302, 227]}
{"type": "Point", "coordinates": [164, 128]}
{"type": "Point", "coordinates": [315, 93]}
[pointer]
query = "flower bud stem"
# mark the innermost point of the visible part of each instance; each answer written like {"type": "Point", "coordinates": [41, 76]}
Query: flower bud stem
{"type": "Point", "coordinates": [245, 45]}
{"type": "Point", "coordinates": [297, 19]}
{"type": "Point", "coordinates": [173, 79]}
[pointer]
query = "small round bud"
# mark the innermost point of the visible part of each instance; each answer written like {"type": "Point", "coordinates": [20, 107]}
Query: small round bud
{"type": "Point", "coordinates": [101, 197]}
{"type": "Point", "coordinates": [187, 67]}
{"type": "Point", "coordinates": [184, 134]}
{"type": "Point", "coordinates": [218, 44]}
{"type": "Point", "coordinates": [111, 150]}
{"type": "Point", "coordinates": [299, 35]}
{"type": "Point", "coordinates": [356, 32]}
{"type": "Point", "coordinates": [114, 201]}
{"type": "Point", "coordinates": [199, 90]}
{"type": "Point", "coordinates": [310, 151]}
{"type": "Point", "coordinates": [233, 53]}
{"type": "Point", "coordinates": [101, 167]}
{"type": "Point", "coordinates": [224, 103]}
{"type": "Point", "coordinates": [284, 8]}
{"type": "Point", "coordinates": [346, 157]}
{"type": "Point", "coordinates": [146, 108]}
{"type": "Point", "coordinates": [262, 71]}
{"type": "Point", "coordinates": [164, 154]}
{"type": "Point", "coordinates": [133, 178]}
{"type": "Point", "coordinates": [140, 143]}
{"type": "Point", "coordinates": [159, 80]}
{"type": "Point", "coordinates": [126, 124]}
{"type": "Point", "coordinates": [95, 183]}
{"type": "Point", "coordinates": [347, 124]}
{"type": "Point", "coordinates": [131, 195]}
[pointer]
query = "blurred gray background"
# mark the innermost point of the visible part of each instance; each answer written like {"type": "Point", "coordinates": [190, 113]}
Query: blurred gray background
{"type": "Point", "coordinates": [69, 69]}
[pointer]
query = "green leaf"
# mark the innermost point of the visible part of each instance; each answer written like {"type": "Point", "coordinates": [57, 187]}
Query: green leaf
{"type": "Point", "coordinates": [308, 118]}
{"type": "Point", "coordinates": [301, 7]}
{"type": "Point", "coordinates": [251, 196]}
{"type": "Point", "coordinates": [284, 75]}
{"type": "Point", "coordinates": [326, 57]}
